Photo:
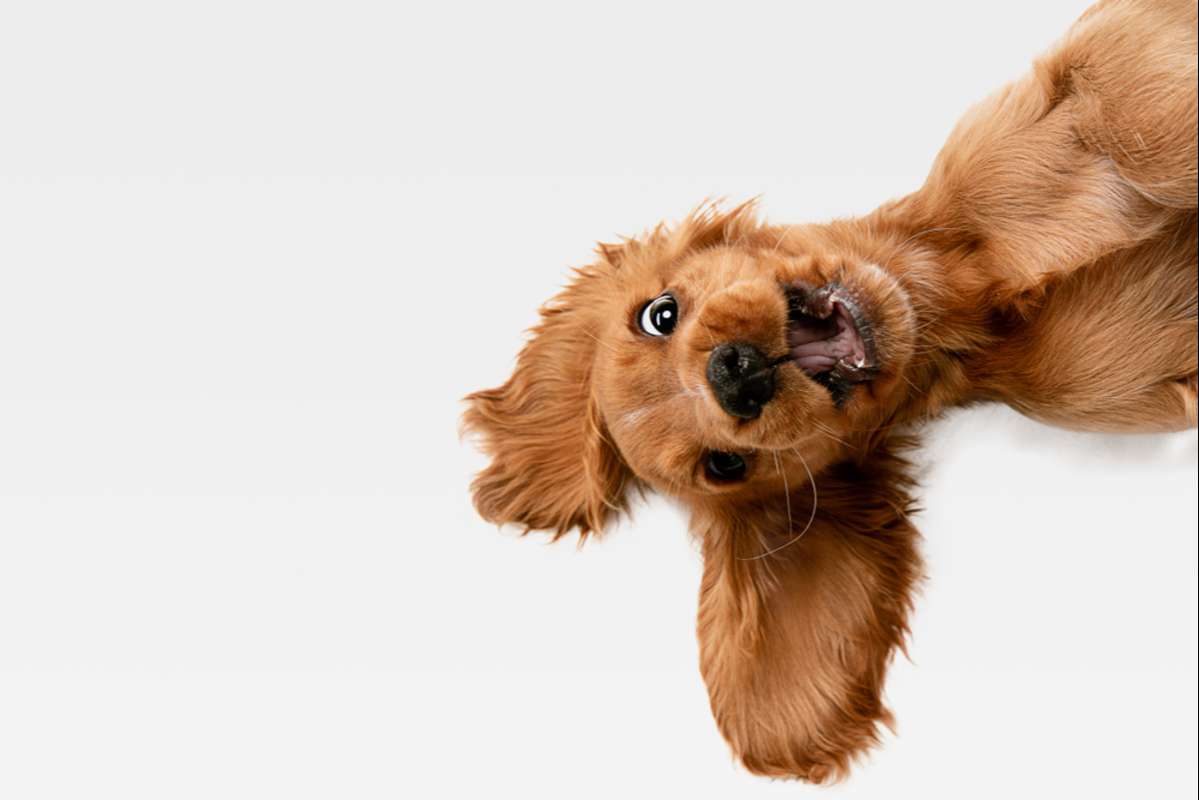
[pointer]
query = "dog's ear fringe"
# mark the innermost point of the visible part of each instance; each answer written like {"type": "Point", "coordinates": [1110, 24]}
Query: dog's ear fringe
{"type": "Point", "coordinates": [553, 466]}
{"type": "Point", "coordinates": [548, 472]}
{"type": "Point", "coordinates": [794, 647]}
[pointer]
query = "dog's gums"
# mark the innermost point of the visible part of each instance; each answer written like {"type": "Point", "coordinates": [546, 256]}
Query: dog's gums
{"type": "Point", "coordinates": [772, 377]}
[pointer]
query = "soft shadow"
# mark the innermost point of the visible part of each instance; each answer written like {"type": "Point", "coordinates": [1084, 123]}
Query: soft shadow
{"type": "Point", "coordinates": [968, 428]}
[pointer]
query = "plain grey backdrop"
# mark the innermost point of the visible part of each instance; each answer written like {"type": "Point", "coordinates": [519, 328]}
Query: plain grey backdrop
{"type": "Point", "coordinates": [252, 255]}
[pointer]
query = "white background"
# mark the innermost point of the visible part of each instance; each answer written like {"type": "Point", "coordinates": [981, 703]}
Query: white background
{"type": "Point", "coordinates": [252, 255]}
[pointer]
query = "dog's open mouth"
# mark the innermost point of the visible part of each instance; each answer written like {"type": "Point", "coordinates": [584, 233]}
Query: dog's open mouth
{"type": "Point", "coordinates": [830, 337]}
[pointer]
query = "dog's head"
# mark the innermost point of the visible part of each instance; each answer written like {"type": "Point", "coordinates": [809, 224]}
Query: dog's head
{"type": "Point", "coordinates": [715, 359]}
{"type": "Point", "coordinates": [735, 367]}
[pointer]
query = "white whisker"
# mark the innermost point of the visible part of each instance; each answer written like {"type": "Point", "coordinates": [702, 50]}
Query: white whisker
{"type": "Point", "coordinates": [811, 517]}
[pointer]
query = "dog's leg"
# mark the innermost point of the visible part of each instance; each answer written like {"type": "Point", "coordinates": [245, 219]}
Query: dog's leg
{"type": "Point", "coordinates": [1161, 408]}
{"type": "Point", "coordinates": [1093, 152]}
{"type": "Point", "coordinates": [1112, 346]}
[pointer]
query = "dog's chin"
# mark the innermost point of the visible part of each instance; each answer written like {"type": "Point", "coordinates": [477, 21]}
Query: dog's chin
{"type": "Point", "coordinates": [831, 338]}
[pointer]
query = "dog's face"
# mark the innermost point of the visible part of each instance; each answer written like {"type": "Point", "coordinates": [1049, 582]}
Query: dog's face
{"type": "Point", "coordinates": [736, 366]}
{"type": "Point", "coordinates": [718, 359]}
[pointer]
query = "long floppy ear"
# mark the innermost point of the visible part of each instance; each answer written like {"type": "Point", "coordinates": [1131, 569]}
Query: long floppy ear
{"type": "Point", "coordinates": [553, 466]}
{"type": "Point", "coordinates": [794, 646]}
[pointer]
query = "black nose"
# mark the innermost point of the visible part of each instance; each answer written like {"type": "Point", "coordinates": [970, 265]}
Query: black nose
{"type": "Point", "coordinates": [741, 378]}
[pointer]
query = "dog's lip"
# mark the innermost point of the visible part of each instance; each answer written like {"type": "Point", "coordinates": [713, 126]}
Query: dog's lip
{"type": "Point", "coordinates": [829, 336]}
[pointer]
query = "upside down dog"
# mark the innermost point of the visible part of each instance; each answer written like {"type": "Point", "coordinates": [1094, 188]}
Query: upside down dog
{"type": "Point", "coordinates": [768, 376]}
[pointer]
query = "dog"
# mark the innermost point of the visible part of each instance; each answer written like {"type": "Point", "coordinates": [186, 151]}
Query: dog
{"type": "Point", "coordinates": [770, 377]}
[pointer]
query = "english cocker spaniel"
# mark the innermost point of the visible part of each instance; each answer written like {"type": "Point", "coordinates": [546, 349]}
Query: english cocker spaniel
{"type": "Point", "coordinates": [768, 376]}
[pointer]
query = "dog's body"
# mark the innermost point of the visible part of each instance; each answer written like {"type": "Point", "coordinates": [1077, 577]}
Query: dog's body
{"type": "Point", "coordinates": [765, 375]}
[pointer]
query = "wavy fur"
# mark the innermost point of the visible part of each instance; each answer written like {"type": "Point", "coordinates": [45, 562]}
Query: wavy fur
{"type": "Point", "coordinates": [1049, 262]}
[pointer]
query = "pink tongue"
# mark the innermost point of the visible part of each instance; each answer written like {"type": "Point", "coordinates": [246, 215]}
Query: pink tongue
{"type": "Point", "coordinates": [815, 364]}
{"type": "Point", "coordinates": [817, 345]}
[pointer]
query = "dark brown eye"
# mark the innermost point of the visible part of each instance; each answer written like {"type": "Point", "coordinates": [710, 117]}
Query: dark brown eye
{"type": "Point", "coordinates": [660, 315]}
{"type": "Point", "coordinates": [725, 467]}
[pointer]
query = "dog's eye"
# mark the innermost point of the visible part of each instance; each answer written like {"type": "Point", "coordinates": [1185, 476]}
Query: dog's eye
{"type": "Point", "coordinates": [660, 315]}
{"type": "Point", "coordinates": [722, 466]}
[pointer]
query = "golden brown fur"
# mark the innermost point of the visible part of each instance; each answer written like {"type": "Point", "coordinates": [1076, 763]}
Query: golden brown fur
{"type": "Point", "coordinates": [1049, 262]}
